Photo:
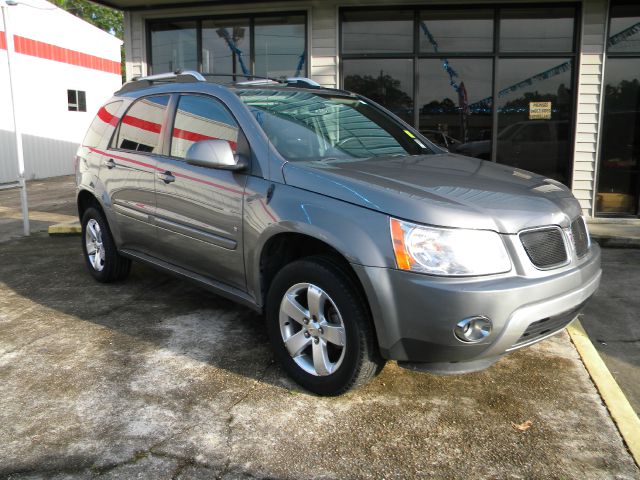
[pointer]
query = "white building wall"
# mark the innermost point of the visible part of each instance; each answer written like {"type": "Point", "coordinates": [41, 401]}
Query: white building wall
{"type": "Point", "coordinates": [51, 133]}
{"type": "Point", "coordinates": [324, 62]}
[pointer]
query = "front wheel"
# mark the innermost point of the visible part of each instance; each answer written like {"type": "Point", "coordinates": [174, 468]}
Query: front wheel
{"type": "Point", "coordinates": [320, 327]}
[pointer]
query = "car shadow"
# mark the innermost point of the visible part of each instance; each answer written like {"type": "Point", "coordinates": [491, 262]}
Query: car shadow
{"type": "Point", "coordinates": [148, 308]}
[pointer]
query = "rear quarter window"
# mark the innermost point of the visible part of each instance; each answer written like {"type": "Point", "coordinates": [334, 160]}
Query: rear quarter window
{"type": "Point", "coordinates": [141, 126]}
{"type": "Point", "coordinates": [103, 125]}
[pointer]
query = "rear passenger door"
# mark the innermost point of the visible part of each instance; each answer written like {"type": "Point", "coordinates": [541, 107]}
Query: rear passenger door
{"type": "Point", "coordinates": [199, 209]}
{"type": "Point", "coordinates": [129, 171]}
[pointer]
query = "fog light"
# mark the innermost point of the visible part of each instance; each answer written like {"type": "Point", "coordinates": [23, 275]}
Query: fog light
{"type": "Point", "coordinates": [473, 329]}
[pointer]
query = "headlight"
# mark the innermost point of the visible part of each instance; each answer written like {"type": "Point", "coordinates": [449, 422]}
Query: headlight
{"type": "Point", "coordinates": [448, 251]}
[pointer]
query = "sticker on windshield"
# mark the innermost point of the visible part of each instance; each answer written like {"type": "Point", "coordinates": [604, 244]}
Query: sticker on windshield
{"type": "Point", "coordinates": [411, 135]}
{"type": "Point", "coordinates": [419, 143]}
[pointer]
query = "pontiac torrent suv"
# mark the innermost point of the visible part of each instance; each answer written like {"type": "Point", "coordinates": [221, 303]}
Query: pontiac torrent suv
{"type": "Point", "coordinates": [358, 239]}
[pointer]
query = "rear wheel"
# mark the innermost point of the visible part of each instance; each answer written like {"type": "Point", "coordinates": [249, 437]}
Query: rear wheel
{"type": "Point", "coordinates": [320, 327]}
{"type": "Point", "coordinates": [102, 258]}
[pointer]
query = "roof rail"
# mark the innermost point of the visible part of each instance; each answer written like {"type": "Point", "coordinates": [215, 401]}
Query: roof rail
{"type": "Point", "coordinates": [250, 78]}
{"type": "Point", "coordinates": [302, 82]}
{"type": "Point", "coordinates": [182, 76]}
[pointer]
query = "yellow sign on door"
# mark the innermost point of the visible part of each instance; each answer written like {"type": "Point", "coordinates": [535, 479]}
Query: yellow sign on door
{"type": "Point", "coordinates": [539, 110]}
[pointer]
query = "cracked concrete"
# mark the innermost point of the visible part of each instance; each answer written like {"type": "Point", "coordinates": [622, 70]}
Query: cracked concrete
{"type": "Point", "coordinates": [155, 378]}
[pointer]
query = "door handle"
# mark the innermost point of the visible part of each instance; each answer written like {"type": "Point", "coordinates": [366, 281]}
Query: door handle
{"type": "Point", "coordinates": [110, 163]}
{"type": "Point", "coordinates": [166, 177]}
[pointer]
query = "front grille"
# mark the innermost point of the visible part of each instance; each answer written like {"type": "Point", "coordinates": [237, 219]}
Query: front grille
{"type": "Point", "coordinates": [545, 247]}
{"type": "Point", "coordinates": [547, 326]}
{"type": "Point", "coordinates": [580, 237]}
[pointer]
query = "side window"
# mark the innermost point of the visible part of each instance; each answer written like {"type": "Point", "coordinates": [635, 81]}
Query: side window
{"type": "Point", "coordinates": [140, 127]}
{"type": "Point", "coordinates": [201, 118]}
{"type": "Point", "coordinates": [105, 118]}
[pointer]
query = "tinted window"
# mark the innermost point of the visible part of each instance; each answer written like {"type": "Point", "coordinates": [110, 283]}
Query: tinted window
{"type": "Point", "coordinates": [461, 110]}
{"type": "Point", "coordinates": [201, 118]}
{"type": "Point", "coordinates": [174, 46]}
{"type": "Point", "coordinates": [388, 82]}
{"type": "Point", "coordinates": [624, 30]}
{"type": "Point", "coordinates": [619, 178]}
{"type": "Point", "coordinates": [105, 118]}
{"type": "Point", "coordinates": [456, 31]}
{"type": "Point", "coordinates": [226, 46]}
{"type": "Point", "coordinates": [534, 102]}
{"type": "Point", "coordinates": [141, 126]}
{"type": "Point", "coordinates": [536, 30]}
{"type": "Point", "coordinates": [280, 46]}
{"type": "Point", "coordinates": [377, 32]}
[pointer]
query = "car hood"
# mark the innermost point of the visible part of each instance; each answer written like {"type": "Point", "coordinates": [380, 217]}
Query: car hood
{"type": "Point", "coordinates": [445, 189]}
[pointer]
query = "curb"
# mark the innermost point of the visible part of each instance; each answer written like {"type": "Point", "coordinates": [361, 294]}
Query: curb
{"type": "Point", "coordinates": [65, 229]}
{"type": "Point", "coordinates": [619, 407]}
{"type": "Point", "coordinates": [606, 241]}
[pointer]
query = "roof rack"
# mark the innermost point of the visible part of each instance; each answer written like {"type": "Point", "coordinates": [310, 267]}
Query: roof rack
{"type": "Point", "coordinates": [189, 76]}
{"type": "Point", "coordinates": [182, 76]}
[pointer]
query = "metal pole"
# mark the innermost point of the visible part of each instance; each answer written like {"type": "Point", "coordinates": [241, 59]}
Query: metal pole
{"type": "Point", "coordinates": [18, 133]}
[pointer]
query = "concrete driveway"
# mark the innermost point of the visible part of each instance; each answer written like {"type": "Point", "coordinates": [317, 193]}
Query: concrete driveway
{"type": "Point", "coordinates": [156, 378]}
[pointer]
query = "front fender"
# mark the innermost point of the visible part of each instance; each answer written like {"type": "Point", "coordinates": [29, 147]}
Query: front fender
{"type": "Point", "coordinates": [359, 234]}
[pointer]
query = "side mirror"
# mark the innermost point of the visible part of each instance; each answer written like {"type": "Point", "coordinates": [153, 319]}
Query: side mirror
{"type": "Point", "coordinates": [215, 154]}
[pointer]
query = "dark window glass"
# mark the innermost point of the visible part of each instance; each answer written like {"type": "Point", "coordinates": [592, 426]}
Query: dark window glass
{"type": "Point", "coordinates": [535, 106]}
{"type": "Point", "coordinates": [388, 82]}
{"type": "Point", "coordinates": [377, 32]}
{"type": "Point", "coordinates": [308, 126]}
{"type": "Point", "coordinates": [201, 118]}
{"type": "Point", "coordinates": [619, 178]}
{"type": "Point", "coordinates": [72, 97]}
{"type": "Point", "coordinates": [458, 116]}
{"type": "Point", "coordinates": [141, 126]}
{"type": "Point", "coordinates": [82, 101]}
{"type": "Point", "coordinates": [226, 46]}
{"type": "Point", "coordinates": [280, 46]}
{"type": "Point", "coordinates": [537, 30]}
{"type": "Point", "coordinates": [106, 118]}
{"type": "Point", "coordinates": [456, 31]}
{"type": "Point", "coordinates": [173, 47]}
{"type": "Point", "coordinates": [624, 30]}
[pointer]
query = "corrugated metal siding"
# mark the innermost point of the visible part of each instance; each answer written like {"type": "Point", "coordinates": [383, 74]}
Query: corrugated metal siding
{"type": "Point", "coordinates": [43, 157]}
{"type": "Point", "coordinates": [594, 20]}
{"type": "Point", "coordinates": [8, 162]}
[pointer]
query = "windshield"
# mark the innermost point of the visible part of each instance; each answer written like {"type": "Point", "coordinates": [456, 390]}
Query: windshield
{"type": "Point", "coordinates": [316, 126]}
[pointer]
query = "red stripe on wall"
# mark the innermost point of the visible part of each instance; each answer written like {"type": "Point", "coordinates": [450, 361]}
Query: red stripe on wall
{"type": "Point", "coordinates": [106, 117]}
{"type": "Point", "coordinates": [142, 124]}
{"type": "Point", "coordinates": [35, 48]}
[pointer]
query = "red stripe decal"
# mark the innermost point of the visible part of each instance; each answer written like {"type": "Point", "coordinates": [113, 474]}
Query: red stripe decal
{"type": "Point", "coordinates": [35, 48]}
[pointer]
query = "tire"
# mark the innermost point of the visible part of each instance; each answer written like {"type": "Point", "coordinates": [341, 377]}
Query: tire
{"type": "Point", "coordinates": [329, 348]}
{"type": "Point", "coordinates": [100, 253]}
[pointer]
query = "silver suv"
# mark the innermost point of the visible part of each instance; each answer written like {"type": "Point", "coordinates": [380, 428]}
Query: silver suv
{"type": "Point", "coordinates": [358, 239]}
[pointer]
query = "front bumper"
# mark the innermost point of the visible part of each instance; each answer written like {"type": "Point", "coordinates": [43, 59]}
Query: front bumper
{"type": "Point", "coordinates": [415, 314]}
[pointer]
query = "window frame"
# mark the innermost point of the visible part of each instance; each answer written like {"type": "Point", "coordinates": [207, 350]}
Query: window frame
{"type": "Point", "coordinates": [77, 106]}
{"type": "Point", "coordinates": [495, 54]}
{"type": "Point", "coordinates": [251, 17]}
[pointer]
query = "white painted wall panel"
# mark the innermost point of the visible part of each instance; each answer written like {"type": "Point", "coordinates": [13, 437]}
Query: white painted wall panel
{"type": "Point", "coordinates": [51, 133]}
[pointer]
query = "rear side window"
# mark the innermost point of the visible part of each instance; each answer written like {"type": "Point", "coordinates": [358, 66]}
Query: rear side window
{"type": "Point", "coordinates": [201, 118]}
{"type": "Point", "coordinates": [103, 125]}
{"type": "Point", "coordinates": [141, 126]}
